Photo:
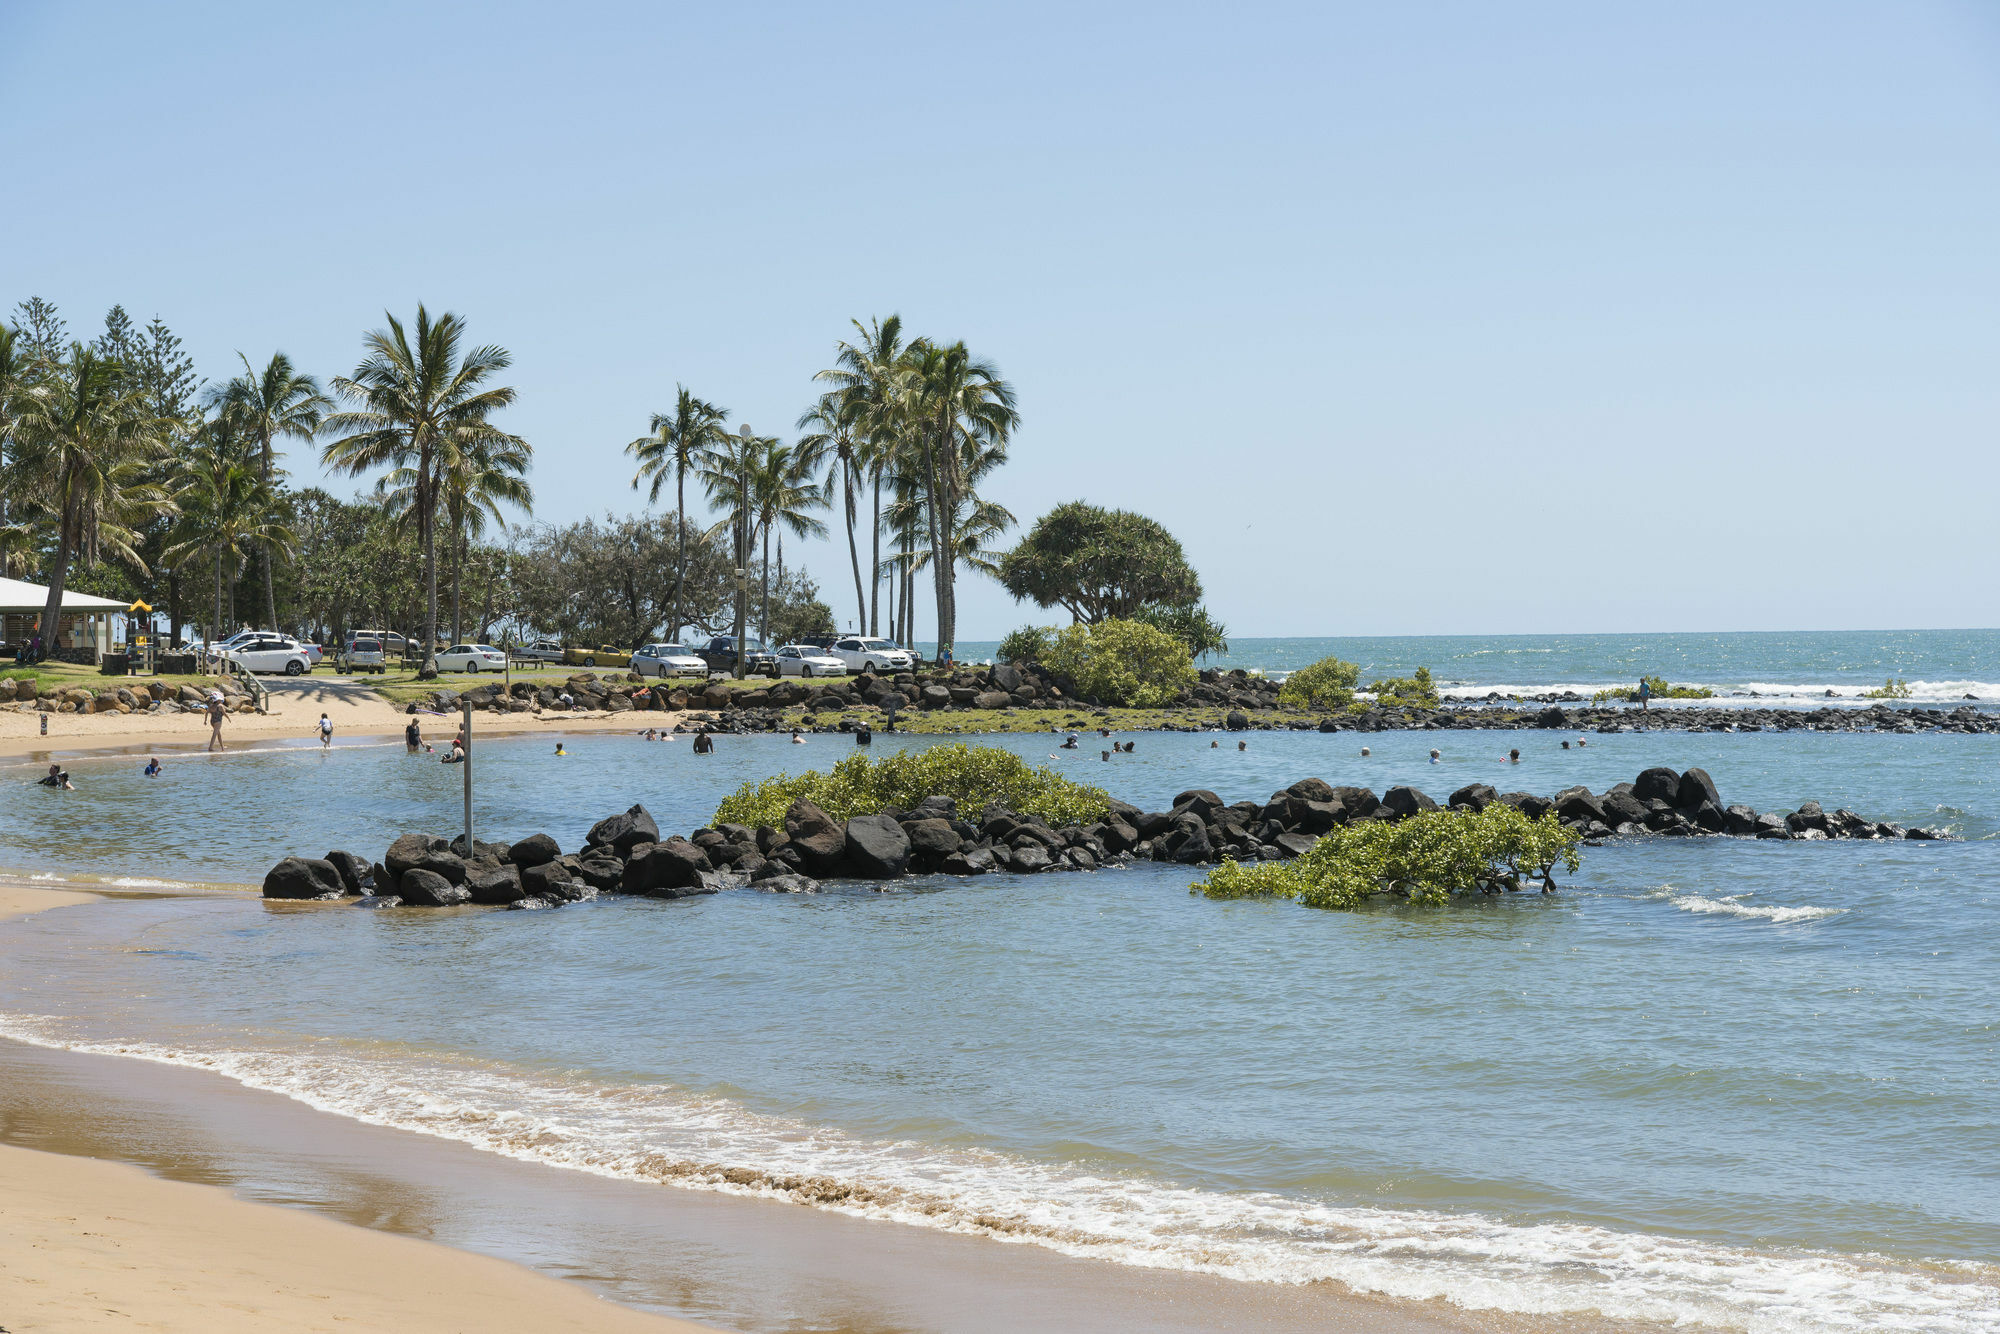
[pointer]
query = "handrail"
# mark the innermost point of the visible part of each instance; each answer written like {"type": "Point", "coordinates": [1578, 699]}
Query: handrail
{"type": "Point", "coordinates": [258, 693]}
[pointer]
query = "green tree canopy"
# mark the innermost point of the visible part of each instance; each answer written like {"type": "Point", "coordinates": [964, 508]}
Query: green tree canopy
{"type": "Point", "coordinates": [1099, 564]}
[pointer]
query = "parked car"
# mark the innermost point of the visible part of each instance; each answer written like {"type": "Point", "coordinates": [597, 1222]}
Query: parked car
{"type": "Point", "coordinates": [394, 646]}
{"type": "Point", "coordinates": [364, 655]}
{"type": "Point", "coordinates": [806, 660]}
{"type": "Point", "coordinates": [313, 651]}
{"type": "Point", "coordinates": [272, 654]}
{"type": "Point", "coordinates": [720, 655]}
{"type": "Point", "coordinates": [604, 655]}
{"type": "Point", "coordinates": [863, 653]}
{"type": "Point", "coordinates": [542, 650]}
{"type": "Point", "coordinates": [471, 658]}
{"type": "Point", "coordinates": [668, 660]}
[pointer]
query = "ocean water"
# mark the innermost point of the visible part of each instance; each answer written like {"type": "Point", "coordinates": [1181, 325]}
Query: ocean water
{"type": "Point", "coordinates": [1774, 667]}
{"type": "Point", "coordinates": [1724, 1083]}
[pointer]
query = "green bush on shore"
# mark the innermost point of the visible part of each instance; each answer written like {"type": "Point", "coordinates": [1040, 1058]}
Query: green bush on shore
{"type": "Point", "coordinates": [1121, 663]}
{"type": "Point", "coordinates": [1327, 684]}
{"type": "Point", "coordinates": [1029, 644]}
{"type": "Point", "coordinates": [1415, 692]}
{"type": "Point", "coordinates": [1425, 859]}
{"type": "Point", "coordinates": [972, 775]}
{"type": "Point", "coordinates": [1659, 687]}
{"type": "Point", "coordinates": [1894, 687]}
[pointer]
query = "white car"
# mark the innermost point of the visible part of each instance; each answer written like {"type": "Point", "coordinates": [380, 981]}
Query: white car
{"type": "Point", "coordinates": [862, 653]}
{"type": "Point", "coordinates": [665, 660]}
{"type": "Point", "coordinates": [808, 660]}
{"type": "Point", "coordinates": [542, 650]}
{"type": "Point", "coordinates": [471, 658]}
{"type": "Point", "coordinates": [270, 653]}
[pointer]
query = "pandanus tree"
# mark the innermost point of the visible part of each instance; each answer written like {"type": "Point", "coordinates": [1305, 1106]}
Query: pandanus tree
{"type": "Point", "coordinates": [419, 403]}
{"type": "Point", "coordinates": [266, 406]}
{"type": "Point", "coordinates": [84, 452]}
{"type": "Point", "coordinates": [678, 442]}
{"type": "Point", "coordinates": [229, 511]}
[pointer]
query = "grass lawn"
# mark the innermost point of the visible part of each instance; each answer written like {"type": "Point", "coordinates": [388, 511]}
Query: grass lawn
{"type": "Point", "coordinates": [53, 676]}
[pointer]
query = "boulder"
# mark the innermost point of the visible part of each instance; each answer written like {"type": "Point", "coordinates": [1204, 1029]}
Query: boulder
{"type": "Point", "coordinates": [930, 840]}
{"type": "Point", "coordinates": [1528, 804]}
{"type": "Point", "coordinates": [303, 878]}
{"type": "Point", "coordinates": [379, 901]}
{"type": "Point", "coordinates": [976, 862]}
{"type": "Point", "coordinates": [667, 869]}
{"type": "Point", "coordinates": [1660, 784]}
{"type": "Point", "coordinates": [1357, 802]}
{"type": "Point", "coordinates": [1236, 720]}
{"type": "Point", "coordinates": [1621, 807]}
{"type": "Point", "coordinates": [817, 837]}
{"type": "Point", "coordinates": [533, 850]}
{"type": "Point", "coordinates": [787, 882]}
{"type": "Point", "coordinates": [1294, 845]}
{"type": "Point", "coordinates": [1404, 801]}
{"type": "Point", "coordinates": [1695, 789]}
{"type": "Point", "coordinates": [934, 697]}
{"type": "Point", "coordinates": [1473, 797]}
{"type": "Point", "coordinates": [1313, 789]}
{"type": "Point", "coordinates": [546, 881]}
{"type": "Point", "coordinates": [877, 847]}
{"type": "Point", "coordinates": [1199, 802]}
{"type": "Point", "coordinates": [624, 832]}
{"type": "Point", "coordinates": [992, 699]}
{"type": "Point", "coordinates": [1576, 803]}
{"type": "Point", "coordinates": [427, 889]}
{"type": "Point", "coordinates": [1552, 717]}
{"type": "Point", "coordinates": [498, 885]}
{"type": "Point", "coordinates": [407, 851]}
{"type": "Point", "coordinates": [1005, 677]}
{"type": "Point", "coordinates": [603, 873]}
{"type": "Point", "coordinates": [1740, 819]}
{"type": "Point", "coordinates": [28, 690]}
{"type": "Point", "coordinates": [354, 872]}
{"type": "Point", "coordinates": [1034, 857]}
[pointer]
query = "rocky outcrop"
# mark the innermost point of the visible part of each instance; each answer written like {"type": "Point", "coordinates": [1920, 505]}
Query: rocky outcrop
{"type": "Point", "coordinates": [304, 878]}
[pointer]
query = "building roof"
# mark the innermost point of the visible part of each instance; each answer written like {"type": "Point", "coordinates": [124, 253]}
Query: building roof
{"type": "Point", "coordinates": [19, 596]}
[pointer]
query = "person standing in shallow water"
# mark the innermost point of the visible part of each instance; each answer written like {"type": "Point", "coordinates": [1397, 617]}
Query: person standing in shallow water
{"type": "Point", "coordinates": [215, 721]}
{"type": "Point", "coordinates": [703, 743]}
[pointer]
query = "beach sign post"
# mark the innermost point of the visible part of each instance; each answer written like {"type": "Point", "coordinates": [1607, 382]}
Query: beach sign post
{"type": "Point", "coordinates": [465, 767]}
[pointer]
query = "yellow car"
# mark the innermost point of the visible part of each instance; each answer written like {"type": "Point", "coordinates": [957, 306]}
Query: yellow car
{"type": "Point", "coordinates": [602, 656]}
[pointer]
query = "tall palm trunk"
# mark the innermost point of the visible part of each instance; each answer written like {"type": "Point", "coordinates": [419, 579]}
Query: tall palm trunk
{"type": "Point", "coordinates": [875, 581]}
{"type": "Point", "coordinates": [215, 634]}
{"type": "Point", "coordinates": [427, 531]}
{"type": "Point", "coordinates": [457, 574]}
{"type": "Point", "coordinates": [764, 622]}
{"type": "Point", "coordinates": [853, 551]}
{"type": "Point", "coordinates": [58, 575]}
{"type": "Point", "coordinates": [270, 586]}
{"type": "Point", "coordinates": [681, 533]}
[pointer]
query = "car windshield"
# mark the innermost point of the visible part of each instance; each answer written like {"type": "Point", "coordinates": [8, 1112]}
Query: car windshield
{"type": "Point", "coordinates": [488, 648]}
{"type": "Point", "coordinates": [877, 644]}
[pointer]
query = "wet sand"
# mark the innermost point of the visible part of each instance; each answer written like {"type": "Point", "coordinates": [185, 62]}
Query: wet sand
{"type": "Point", "coordinates": [727, 1262]}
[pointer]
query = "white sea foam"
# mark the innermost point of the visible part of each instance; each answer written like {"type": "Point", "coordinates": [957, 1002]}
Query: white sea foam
{"type": "Point", "coordinates": [1741, 694]}
{"type": "Point", "coordinates": [664, 1135]}
{"type": "Point", "coordinates": [1731, 905]}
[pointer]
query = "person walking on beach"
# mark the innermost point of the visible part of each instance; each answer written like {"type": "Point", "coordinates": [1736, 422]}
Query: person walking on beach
{"type": "Point", "coordinates": [325, 731]}
{"type": "Point", "coordinates": [215, 721]}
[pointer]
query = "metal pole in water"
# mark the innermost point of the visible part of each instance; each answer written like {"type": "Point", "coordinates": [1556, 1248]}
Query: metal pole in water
{"type": "Point", "coordinates": [466, 765]}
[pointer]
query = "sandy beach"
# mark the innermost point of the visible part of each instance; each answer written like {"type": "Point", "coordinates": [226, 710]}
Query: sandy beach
{"type": "Point", "coordinates": [295, 707]}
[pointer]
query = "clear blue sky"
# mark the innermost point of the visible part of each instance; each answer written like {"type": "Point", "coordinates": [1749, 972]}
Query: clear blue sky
{"type": "Point", "coordinates": [1407, 319]}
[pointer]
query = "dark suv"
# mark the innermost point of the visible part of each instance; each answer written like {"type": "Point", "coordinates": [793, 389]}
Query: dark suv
{"type": "Point", "coordinates": [720, 654]}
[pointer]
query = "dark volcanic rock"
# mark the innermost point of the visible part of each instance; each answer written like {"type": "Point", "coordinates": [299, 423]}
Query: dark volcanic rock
{"type": "Point", "coordinates": [498, 885]}
{"type": "Point", "coordinates": [1404, 801]}
{"type": "Point", "coordinates": [671, 869]}
{"type": "Point", "coordinates": [1660, 784]}
{"type": "Point", "coordinates": [931, 840]}
{"type": "Point", "coordinates": [304, 878]}
{"type": "Point", "coordinates": [877, 847]}
{"type": "Point", "coordinates": [624, 832]}
{"type": "Point", "coordinates": [817, 837]}
{"type": "Point", "coordinates": [1474, 797]}
{"type": "Point", "coordinates": [428, 889]}
{"type": "Point", "coordinates": [1695, 788]}
{"type": "Point", "coordinates": [533, 851]}
{"type": "Point", "coordinates": [354, 871]}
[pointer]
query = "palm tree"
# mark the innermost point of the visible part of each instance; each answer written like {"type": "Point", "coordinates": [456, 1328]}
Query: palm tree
{"type": "Point", "coordinates": [725, 475]}
{"type": "Point", "coordinates": [228, 508]}
{"type": "Point", "coordinates": [678, 443]}
{"type": "Point", "coordinates": [418, 404]}
{"type": "Point", "coordinates": [84, 450]}
{"type": "Point", "coordinates": [475, 484]}
{"type": "Point", "coordinates": [834, 436]}
{"type": "Point", "coordinates": [782, 495]}
{"type": "Point", "coordinates": [15, 365]}
{"type": "Point", "coordinates": [278, 401]}
{"type": "Point", "coordinates": [870, 378]}
{"type": "Point", "coordinates": [963, 414]}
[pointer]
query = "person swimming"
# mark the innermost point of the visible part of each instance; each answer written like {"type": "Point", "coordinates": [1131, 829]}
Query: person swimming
{"type": "Point", "coordinates": [152, 769]}
{"type": "Point", "coordinates": [57, 779]}
{"type": "Point", "coordinates": [797, 740]}
{"type": "Point", "coordinates": [1513, 757]}
{"type": "Point", "coordinates": [1565, 745]}
{"type": "Point", "coordinates": [1365, 752]}
{"type": "Point", "coordinates": [1070, 743]}
{"type": "Point", "coordinates": [1436, 755]}
{"type": "Point", "coordinates": [560, 751]}
{"type": "Point", "coordinates": [1243, 745]}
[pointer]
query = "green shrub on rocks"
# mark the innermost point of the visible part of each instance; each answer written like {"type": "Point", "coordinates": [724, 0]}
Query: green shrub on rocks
{"type": "Point", "coordinates": [1425, 859]}
{"type": "Point", "coordinates": [1660, 689]}
{"type": "Point", "coordinates": [1415, 692]}
{"type": "Point", "coordinates": [971, 775]}
{"type": "Point", "coordinates": [1122, 663]}
{"type": "Point", "coordinates": [1029, 644]}
{"type": "Point", "coordinates": [1894, 687]}
{"type": "Point", "coordinates": [1327, 684]}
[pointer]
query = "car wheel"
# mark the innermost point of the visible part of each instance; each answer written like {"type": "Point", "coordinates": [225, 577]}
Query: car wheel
{"type": "Point", "coordinates": [806, 670]}
{"type": "Point", "coordinates": [590, 662]}
{"type": "Point", "coordinates": [294, 667]}
{"type": "Point", "coordinates": [471, 666]}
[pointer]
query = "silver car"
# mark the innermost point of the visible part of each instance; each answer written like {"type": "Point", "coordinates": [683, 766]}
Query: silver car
{"type": "Point", "coordinates": [808, 660]}
{"type": "Point", "coordinates": [865, 653]}
{"type": "Point", "coordinates": [665, 660]}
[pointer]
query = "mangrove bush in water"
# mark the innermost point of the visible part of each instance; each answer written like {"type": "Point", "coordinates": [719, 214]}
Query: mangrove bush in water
{"type": "Point", "coordinates": [1406, 691]}
{"type": "Point", "coordinates": [1659, 689]}
{"type": "Point", "coordinates": [1426, 859]}
{"type": "Point", "coordinates": [1121, 663]}
{"type": "Point", "coordinates": [1327, 684]}
{"type": "Point", "coordinates": [971, 775]}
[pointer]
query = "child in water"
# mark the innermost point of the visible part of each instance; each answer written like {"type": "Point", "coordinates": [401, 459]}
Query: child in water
{"type": "Point", "coordinates": [152, 766]}
{"type": "Point", "coordinates": [560, 752]}
{"type": "Point", "coordinates": [325, 731]}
